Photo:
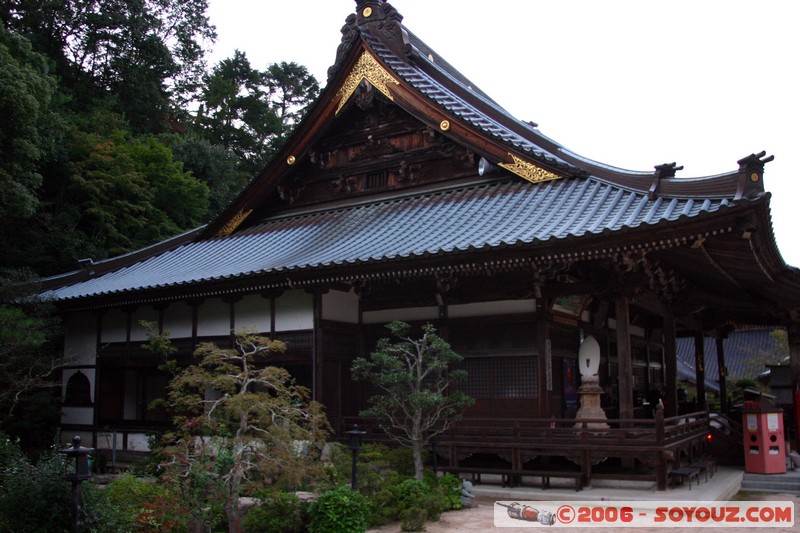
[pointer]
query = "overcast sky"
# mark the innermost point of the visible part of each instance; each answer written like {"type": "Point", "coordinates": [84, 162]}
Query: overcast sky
{"type": "Point", "coordinates": [629, 83]}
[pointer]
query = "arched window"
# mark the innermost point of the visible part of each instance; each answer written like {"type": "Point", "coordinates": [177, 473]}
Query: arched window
{"type": "Point", "coordinates": [79, 390]}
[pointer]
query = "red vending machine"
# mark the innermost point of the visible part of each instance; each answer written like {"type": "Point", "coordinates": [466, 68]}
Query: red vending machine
{"type": "Point", "coordinates": [764, 441]}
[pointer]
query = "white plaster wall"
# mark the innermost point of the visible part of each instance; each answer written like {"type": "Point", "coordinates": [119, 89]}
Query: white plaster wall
{"type": "Point", "coordinates": [385, 316]}
{"type": "Point", "coordinates": [143, 314]}
{"type": "Point", "coordinates": [214, 318]}
{"type": "Point", "coordinates": [77, 415]}
{"type": "Point", "coordinates": [500, 307]}
{"type": "Point", "coordinates": [80, 339]}
{"type": "Point", "coordinates": [178, 321]}
{"type": "Point", "coordinates": [340, 306]}
{"type": "Point", "coordinates": [137, 442]}
{"type": "Point", "coordinates": [252, 313]}
{"type": "Point", "coordinates": [87, 439]}
{"type": "Point", "coordinates": [115, 326]}
{"type": "Point", "coordinates": [106, 440]}
{"type": "Point", "coordinates": [294, 310]}
{"type": "Point", "coordinates": [68, 372]}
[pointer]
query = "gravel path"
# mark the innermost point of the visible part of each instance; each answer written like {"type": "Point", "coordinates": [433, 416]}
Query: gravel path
{"type": "Point", "coordinates": [481, 518]}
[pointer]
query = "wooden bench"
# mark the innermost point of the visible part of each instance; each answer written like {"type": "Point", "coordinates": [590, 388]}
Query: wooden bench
{"type": "Point", "coordinates": [511, 478]}
{"type": "Point", "coordinates": [682, 474]}
{"type": "Point", "coordinates": [706, 465]}
{"type": "Point", "coordinates": [545, 475]}
{"type": "Point", "coordinates": [475, 473]}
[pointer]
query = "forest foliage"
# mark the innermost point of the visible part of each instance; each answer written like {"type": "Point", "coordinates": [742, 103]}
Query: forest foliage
{"type": "Point", "coordinates": [116, 134]}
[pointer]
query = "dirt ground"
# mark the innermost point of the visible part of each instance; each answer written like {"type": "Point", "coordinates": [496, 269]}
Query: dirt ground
{"type": "Point", "coordinates": [481, 518]}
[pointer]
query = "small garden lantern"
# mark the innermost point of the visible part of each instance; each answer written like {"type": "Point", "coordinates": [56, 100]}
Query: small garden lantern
{"type": "Point", "coordinates": [76, 471]}
{"type": "Point", "coordinates": [355, 435]}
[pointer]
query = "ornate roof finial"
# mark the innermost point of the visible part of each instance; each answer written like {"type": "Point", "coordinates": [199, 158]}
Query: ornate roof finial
{"type": "Point", "coordinates": [667, 170]}
{"type": "Point", "coordinates": [751, 172]}
{"type": "Point", "coordinates": [379, 19]}
{"type": "Point", "coordinates": [382, 20]}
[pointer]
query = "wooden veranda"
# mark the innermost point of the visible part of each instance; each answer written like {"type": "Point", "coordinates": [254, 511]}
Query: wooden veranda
{"type": "Point", "coordinates": [647, 449]}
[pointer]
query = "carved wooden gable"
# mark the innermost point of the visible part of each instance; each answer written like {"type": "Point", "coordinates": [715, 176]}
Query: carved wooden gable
{"type": "Point", "coordinates": [373, 146]}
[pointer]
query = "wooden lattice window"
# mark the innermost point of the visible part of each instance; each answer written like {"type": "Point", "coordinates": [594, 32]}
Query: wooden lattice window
{"type": "Point", "coordinates": [479, 378]}
{"type": "Point", "coordinates": [79, 390]}
{"type": "Point", "coordinates": [376, 180]}
{"type": "Point", "coordinates": [515, 377]}
{"type": "Point", "coordinates": [656, 377]}
{"type": "Point", "coordinates": [500, 377]}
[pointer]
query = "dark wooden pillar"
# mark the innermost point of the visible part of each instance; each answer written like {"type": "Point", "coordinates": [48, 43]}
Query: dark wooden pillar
{"type": "Point", "coordinates": [723, 373]}
{"type": "Point", "coordinates": [671, 367]}
{"type": "Point", "coordinates": [624, 358]}
{"type": "Point", "coordinates": [700, 370]}
{"type": "Point", "coordinates": [793, 334]}
{"type": "Point", "coordinates": [661, 462]}
{"type": "Point", "coordinates": [543, 348]}
{"type": "Point", "coordinates": [195, 305]}
{"type": "Point", "coordinates": [316, 349]}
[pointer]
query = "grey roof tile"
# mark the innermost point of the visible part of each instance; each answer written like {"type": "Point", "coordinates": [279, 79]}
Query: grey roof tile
{"type": "Point", "coordinates": [476, 217]}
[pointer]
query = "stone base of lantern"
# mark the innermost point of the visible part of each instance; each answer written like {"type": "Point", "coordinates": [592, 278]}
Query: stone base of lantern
{"type": "Point", "coordinates": [590, 392]}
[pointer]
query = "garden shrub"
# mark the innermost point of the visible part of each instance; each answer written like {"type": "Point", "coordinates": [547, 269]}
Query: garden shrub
{"type": "Point", "coordinates": [129, 503]}
{"type": "Point", "coordinates": [447, 491]}
{"type": "Point", "coordinates": [340, 510]}
{"type": "Point", "coordinates": [280, 512]}
{"type": "Point", "coordinates": [33, 497]}
{"type": "Point", "coordinates": [384, 478]}
{"type": "Point", "coordinates": [409, 501]}
{"type": "Point", "coordinates": [384, 502]}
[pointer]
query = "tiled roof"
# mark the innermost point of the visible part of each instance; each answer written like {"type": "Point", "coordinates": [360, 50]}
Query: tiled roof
{"type": "Point", "coordinates": [442, 94]}
{"type": "Point", "coordinates": [481, 216]}
{"type": "Point", "coordinates": [746, 353]}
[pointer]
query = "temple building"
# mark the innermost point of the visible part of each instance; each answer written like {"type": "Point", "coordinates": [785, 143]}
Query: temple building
{"type": "Point", "coordinates": [406, 193]}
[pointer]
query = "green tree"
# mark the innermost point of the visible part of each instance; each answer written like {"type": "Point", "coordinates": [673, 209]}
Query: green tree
{"type": "Point", "coordinates": [235, 112]}
{"type": "Point", "coordinates": [416, 376]}
{"type": "Point", "coordinates": [291, 89]}
{"type": "Point", "coordinates": [125, 194]}
{"type": "Point", "coordinates": [242, 423]}
{"type": "Point", "coordinates": [26, 89]}
{"type": "Point", "coordinates": [251, 112]}
{"type": "Point", "coordinates": [28, 361]}
{"type": "Point", "coordinates": [145, 54]}
{"type": "Point", "coordinates": [213, 165]}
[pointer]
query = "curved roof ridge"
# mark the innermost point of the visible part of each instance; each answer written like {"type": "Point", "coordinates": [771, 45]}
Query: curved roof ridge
{"type": "Point", "coordinates": [435, 78]}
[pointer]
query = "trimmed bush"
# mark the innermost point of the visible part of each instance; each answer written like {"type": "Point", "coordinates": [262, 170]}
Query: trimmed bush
{"type": "Point", "coordinates": [281, 512]}
{"type": "Point", "coordinates": [339, 510]}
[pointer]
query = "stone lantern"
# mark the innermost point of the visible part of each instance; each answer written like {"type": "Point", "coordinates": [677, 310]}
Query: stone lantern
{"type": "Point", "coordinates": [590, 390]}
